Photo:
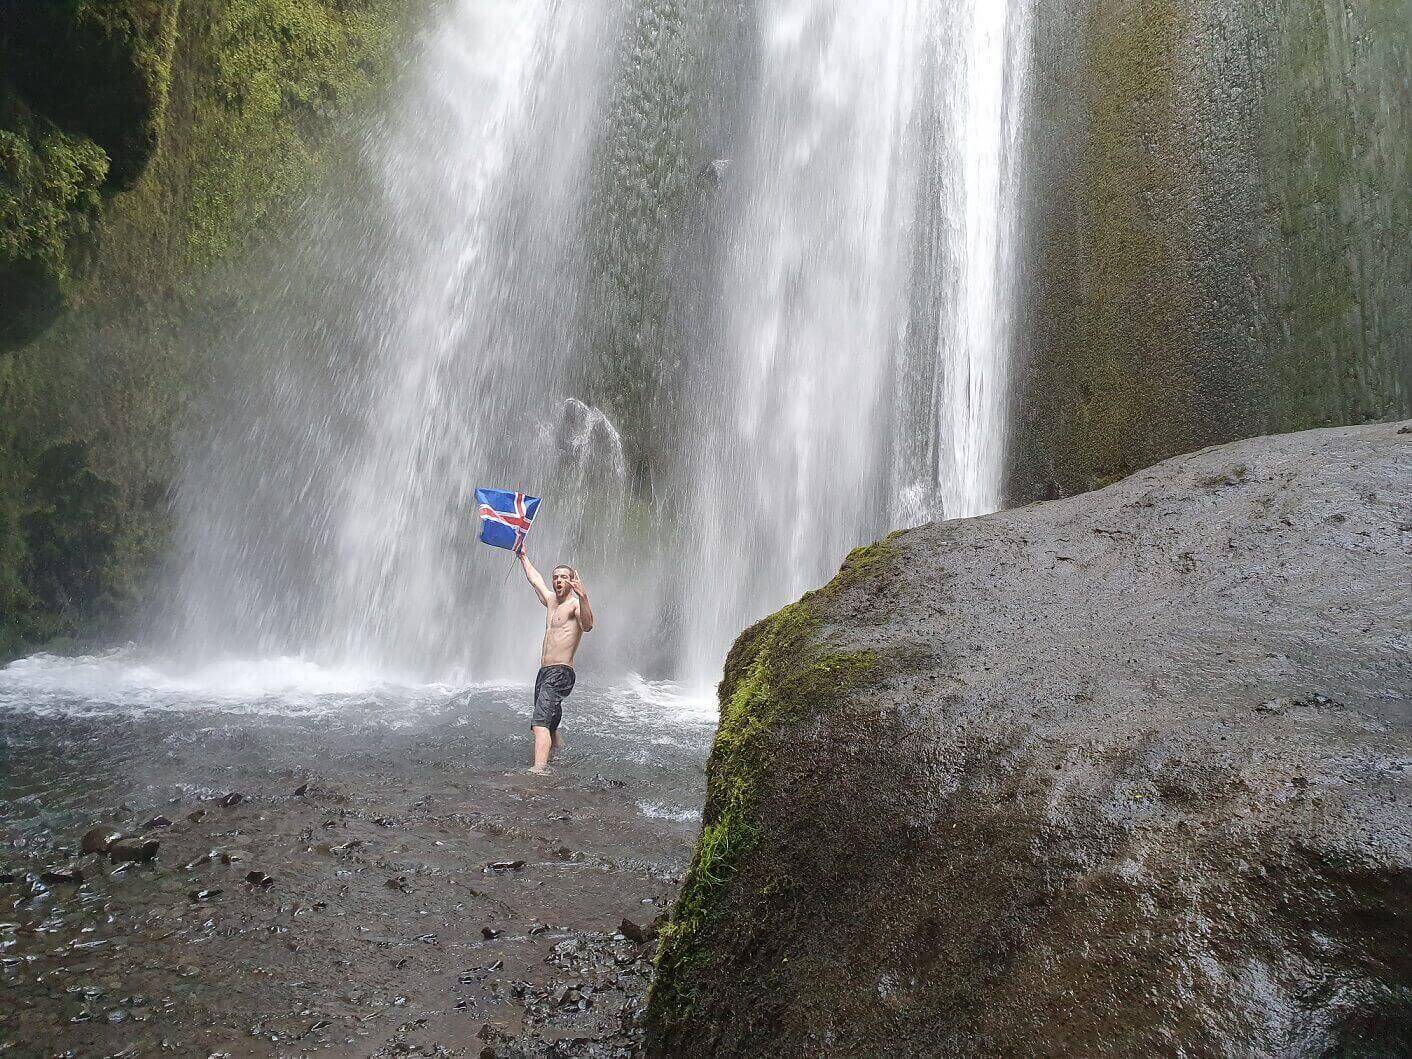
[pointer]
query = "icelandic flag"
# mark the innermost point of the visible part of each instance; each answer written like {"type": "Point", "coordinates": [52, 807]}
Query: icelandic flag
{"type": "Point", "coordinates": [505, 517]}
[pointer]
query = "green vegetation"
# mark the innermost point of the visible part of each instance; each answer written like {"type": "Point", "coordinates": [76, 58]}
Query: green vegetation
{"type": "Point", "coordinates": [780, 672]}
{"type": "Point", "coordinates": [142, 143]}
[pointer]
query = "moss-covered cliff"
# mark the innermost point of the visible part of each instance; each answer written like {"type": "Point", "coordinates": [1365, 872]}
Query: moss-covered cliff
{"type": "Point", "coordinates": [1218, 202]}
{"type": "Point", "coordinates": [142, 142]}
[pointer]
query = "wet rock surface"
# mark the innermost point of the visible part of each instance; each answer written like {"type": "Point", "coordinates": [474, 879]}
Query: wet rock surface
{"type": "Point", "coordinates": [411, 897]}
{"type": "Point", "coordinates": [1125, 774]}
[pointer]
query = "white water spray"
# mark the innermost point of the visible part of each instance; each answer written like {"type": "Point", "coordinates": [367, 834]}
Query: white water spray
{"type": "Point", "coordinates": [834, 283]}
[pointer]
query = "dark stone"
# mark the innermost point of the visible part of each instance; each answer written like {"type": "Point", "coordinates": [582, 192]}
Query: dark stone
{"type": "Point", "coordinates": [489, 932]}
{"type": "Point", "coordinates": [260, 879]}
{"type": "Point", "coordinates": [633, 932]}
{"type": "Point", "coordinates": [301, 790]}
{"type": "Point", "coordinates": [231, 799]}
{"type": "Point", "coordinates": [506, 865]}
{"type": "Point", "coordinates": [99, 839]}
{"type": "Point", "coordinates": [196, 815]}
{"type": "Point", "coordinates": [970, 800]}
{"type": "Point", "coordinates": [63, 876]}
{"type": "Point", "coordinates": [138, 850]}
{"type": "Point", "coordinates": [204, 895]}
{"type": "Point", "coordinates": [156, 822]}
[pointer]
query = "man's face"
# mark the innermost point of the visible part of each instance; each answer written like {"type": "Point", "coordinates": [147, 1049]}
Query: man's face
{"type": "Point", "coordinates": [560, 580]}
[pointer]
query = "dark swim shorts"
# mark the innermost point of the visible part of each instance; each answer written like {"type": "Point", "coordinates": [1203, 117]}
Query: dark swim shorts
{"type": "Point", "coordinates": [551, 688]}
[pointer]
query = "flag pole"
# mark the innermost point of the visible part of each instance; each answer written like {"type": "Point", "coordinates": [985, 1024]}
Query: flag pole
{"type": "Point", "coordinates": [514, 554]}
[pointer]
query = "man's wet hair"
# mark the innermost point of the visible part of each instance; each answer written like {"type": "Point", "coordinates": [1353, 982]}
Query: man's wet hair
{"type": "Point", "coordinates": [565, 566]}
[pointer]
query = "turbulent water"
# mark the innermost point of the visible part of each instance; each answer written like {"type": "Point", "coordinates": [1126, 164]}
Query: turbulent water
{"type": "Point", "coordinates": [728, 285]}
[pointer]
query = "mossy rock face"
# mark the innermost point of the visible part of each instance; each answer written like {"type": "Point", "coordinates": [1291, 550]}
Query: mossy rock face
{"type": "Point", "coordinates": [1216, 206]}
{"type": "Point", "coordinates": [50, 195]}
{"type": "Point", "coordinates": [83, 85]}
{"type": "Point", "coordinates": [781, 673]}
{"type": "Point", "coordinates": [143, 144]}
{"type": "Point", "coordinates": [97, 68]}
{"type": "Point", "coordinates": [1114, 775]}
{"type": "Point", "coordinates": [59, 530]}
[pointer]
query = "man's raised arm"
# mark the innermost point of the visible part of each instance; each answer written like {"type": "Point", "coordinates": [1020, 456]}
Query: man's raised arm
{"type": "Point", "coordinates": [532, 576]}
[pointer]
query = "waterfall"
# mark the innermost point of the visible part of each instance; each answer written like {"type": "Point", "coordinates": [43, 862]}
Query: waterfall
{"type": "Point", "coordinates": [829, 413]}
{"type": "Point", "coordinates": [328, 512]}
{"type": "Point", "coordinates": [982, 204]}
{"type": "Point", "coordinates": [729, 286]}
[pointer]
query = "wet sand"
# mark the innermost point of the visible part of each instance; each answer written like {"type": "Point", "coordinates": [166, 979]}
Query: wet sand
{"type": "Point", "coordinates": [426, 895]}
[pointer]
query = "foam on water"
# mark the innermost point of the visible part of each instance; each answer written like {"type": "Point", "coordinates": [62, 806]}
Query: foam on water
{"type": "Point", "coordinates": [125, 683]}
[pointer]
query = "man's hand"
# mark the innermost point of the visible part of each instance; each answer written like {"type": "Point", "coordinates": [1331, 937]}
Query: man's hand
{"type": "Point", "coordinates": [586, 618]}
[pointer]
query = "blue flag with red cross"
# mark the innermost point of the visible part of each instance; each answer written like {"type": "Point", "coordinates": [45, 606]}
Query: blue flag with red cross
{"type": "Point", "coordinates": [505, 517]}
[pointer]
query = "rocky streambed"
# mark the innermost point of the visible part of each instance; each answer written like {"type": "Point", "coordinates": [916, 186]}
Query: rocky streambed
{"type": "Point", "coordinates": [335, 883]}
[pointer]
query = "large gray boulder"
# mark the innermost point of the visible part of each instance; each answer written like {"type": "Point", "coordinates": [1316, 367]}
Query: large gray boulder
{"type": "Point", "coordinates": [1124, 774]}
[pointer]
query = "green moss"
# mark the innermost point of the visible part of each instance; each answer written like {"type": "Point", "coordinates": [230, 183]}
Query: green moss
{"type": "Point", "coordinates": [778, 673]}
{"type": "Point", "coordinates": [98, 68]}
{"type": "Point", "coordinates": [49, 196]}
{"type": "Point", "coordinates": [868, 560]}
{"type": "Point", "coordinates": [1218, 230]}
{"type": "Point", "coordinates": [212, 118]}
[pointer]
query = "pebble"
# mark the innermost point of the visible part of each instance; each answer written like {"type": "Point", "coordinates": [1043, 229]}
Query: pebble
{"type": "Point", "coordinates": [98, 839]}
{"type": "Point", "coordinates": [133, 849]}
{"type": "Point", "coordinates": [232, 799]}
{"type": "Point", "coordinates": [156, 822]}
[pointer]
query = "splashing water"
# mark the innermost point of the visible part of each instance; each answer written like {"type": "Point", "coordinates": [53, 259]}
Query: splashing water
{"type": "Point", "coordinates": [729, 287]}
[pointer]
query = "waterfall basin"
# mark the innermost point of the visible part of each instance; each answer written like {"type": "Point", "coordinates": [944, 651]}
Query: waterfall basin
{"type": "Point", "coordinates": [422, 886]}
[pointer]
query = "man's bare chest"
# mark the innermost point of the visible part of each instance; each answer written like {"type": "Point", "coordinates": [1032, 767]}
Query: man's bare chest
{"type": "Point", "coordinates": [562, 616]}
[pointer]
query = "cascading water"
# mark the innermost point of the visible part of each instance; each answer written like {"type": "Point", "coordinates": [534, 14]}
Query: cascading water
{"type": "Point", "coordinates": [453, 276]}
{"type": "Point", "coordinates": [729, 287]}
{"type": "Point", "coordinates": [830, 415]}
{"type": "Point", "coordinates": [792, 392]}
{"type": "Point", "coordinates": [987, 109]}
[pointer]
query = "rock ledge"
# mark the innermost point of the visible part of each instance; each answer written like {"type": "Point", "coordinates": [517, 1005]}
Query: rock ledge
{"type": "Point", "coordinates": [1128, 773]}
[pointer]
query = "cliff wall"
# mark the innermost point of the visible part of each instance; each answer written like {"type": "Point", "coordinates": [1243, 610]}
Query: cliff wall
{"type": "Point", "coordinates": [143, 143]}
{"type": "Point", "coordinates": [1219, 195]}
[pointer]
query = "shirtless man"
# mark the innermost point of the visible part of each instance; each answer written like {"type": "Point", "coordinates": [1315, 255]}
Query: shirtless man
{"type": "Point", "coordinates": [570, 616]}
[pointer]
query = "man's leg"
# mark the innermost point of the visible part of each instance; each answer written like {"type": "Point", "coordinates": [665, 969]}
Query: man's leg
{"type": "Point", "coordinates": [558, 741]}
{"type": "Point", "coordinates": [542, 742]}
